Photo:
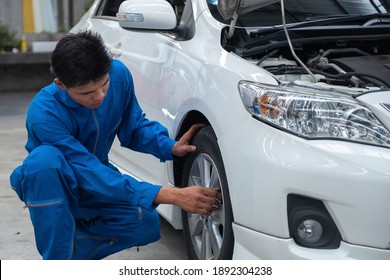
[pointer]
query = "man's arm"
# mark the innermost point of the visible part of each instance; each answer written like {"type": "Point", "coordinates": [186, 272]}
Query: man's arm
{"type": "Point", "coordinates": [92, 175]}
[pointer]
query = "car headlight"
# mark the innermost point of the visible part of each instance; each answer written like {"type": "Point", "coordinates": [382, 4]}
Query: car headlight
{"type": "Point", "coordinates": [313, 113]}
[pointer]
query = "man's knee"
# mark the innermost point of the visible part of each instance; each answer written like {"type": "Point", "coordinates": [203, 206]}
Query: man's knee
{"type": "Point", "coordinates": [42, 163]}
{"type": "Point", "coordinates": [42, 175]}
{"type": "Point", "coordinates": [42, 158]}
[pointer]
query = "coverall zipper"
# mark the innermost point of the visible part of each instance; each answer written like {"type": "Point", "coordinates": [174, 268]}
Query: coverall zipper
{"type": "Point", "coordinates": [98, 130]}
{"type": "Point", "coordinates": [42, 204]}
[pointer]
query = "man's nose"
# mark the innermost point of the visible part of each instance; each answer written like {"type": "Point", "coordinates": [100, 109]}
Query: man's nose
{"type": "Point", "coordinates": [99, 94]}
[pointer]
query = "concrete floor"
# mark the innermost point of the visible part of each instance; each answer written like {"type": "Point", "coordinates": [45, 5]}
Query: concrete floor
{"type": "Point", "coordinates": [16, 234]}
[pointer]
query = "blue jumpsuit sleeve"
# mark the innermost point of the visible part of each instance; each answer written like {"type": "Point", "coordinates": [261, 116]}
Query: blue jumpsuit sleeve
{"type": "Point", "coordinates": [94, 176]}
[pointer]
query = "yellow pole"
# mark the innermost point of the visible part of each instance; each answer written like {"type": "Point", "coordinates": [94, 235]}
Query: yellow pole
{"type": "Point", "coordinates": [28, 17]}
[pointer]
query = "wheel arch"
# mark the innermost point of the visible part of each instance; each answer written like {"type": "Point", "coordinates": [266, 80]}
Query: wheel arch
{"type": "Point", "coordinates": [192, 117]}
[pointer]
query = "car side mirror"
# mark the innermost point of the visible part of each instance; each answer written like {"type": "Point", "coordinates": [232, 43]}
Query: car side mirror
{"type": "Point", "coordinates": [146, 14]}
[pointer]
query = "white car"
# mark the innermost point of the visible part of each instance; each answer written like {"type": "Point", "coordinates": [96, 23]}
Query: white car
{"type": "Point", "coordinates": [296, 101]}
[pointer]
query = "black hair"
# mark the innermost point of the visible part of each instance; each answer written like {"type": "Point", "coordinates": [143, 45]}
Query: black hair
{"type": "Point", "coordinates": [80, 58]}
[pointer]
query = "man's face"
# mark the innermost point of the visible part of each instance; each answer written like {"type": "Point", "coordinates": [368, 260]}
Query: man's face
{"type": "Point", "coordinates": [90, 95]}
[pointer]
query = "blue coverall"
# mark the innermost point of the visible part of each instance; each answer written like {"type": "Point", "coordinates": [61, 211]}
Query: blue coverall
{"type": "Point", "coordinates": [80, 205]}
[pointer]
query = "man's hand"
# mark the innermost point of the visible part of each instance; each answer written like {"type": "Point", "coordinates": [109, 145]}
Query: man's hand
{"type": "Point", "coordinates": [194, 199]}
{"type": "Point", "coordinates": [182, 146]}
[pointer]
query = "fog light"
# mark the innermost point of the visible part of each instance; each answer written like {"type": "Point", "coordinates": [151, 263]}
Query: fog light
{"type": "Point", "coordinates": [310, 223]}
{"type": "Point", "coordinates": [310, 231]}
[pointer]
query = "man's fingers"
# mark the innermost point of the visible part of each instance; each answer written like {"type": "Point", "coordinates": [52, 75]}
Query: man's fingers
{"type": "Point", "coordinates": [185, 149]}
{"type": "Point", "coordinates": [196, 127]}
{"type": "Point", "coordinates": [182, 147]}
{"type": "Point", "coordinates": [213, 192]}
{"type": "Point", "coordinates": [190, 148]}
{"type": "Point", "coordinates": [191, 132]}
{"type": "Point", "coordinates": [206, 209]}
{"type": "Point", "coordinates": [203, 200]}
{"type": "Point", "coordinates": [213, 198]}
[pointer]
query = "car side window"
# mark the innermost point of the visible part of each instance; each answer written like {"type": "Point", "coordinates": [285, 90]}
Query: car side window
{"type": "Point", "coordinates": [178, 6]}
{"type": "Point", "coordinates": [109, 8]}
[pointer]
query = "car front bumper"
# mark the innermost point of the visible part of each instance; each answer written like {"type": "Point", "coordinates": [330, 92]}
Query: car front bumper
{"type": "Point", "coordinates": [250, 244]}
{"type": "Point", "coordinates": [352, 180]}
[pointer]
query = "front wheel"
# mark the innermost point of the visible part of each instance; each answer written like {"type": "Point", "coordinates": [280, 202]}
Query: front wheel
{"type": "Point", "coordinates": [208, 237]}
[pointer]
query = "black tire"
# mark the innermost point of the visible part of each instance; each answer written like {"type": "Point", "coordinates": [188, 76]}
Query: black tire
{"type": "Point", "coordinates": [208, 237]}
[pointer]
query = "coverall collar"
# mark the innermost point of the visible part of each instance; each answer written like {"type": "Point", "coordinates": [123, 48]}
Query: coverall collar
{"type": "Point", "coordinates": [65, 98]}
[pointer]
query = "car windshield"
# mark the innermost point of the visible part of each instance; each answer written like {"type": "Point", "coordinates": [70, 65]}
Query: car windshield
{"type": "Point", "coordinates": [306, 10]}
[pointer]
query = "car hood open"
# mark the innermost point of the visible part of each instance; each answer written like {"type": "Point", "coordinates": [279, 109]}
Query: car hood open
{"type": "Point", "coordinates": [227, 8]}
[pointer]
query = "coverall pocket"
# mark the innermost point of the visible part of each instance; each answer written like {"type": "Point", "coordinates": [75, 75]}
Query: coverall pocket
{"type": "Point", "coordinates": [43, 203]}
{"type": "Point", "coordinates": [53, 227]}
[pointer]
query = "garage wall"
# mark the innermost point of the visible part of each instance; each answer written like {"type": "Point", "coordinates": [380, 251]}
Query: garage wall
{"type": "Point", "coordinates": [11, 13]}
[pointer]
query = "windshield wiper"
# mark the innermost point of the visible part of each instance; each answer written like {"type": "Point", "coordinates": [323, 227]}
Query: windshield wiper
{"type": "Point", "coordinates": [374, 21]}
{"type": "Point", "coordinates": [362, 20]}
{"type": "Point", "coordinates": [265, 31]}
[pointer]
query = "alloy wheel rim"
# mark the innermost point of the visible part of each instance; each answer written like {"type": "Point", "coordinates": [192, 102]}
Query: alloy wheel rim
{"type": "Point", "coordinates": [206, 231]}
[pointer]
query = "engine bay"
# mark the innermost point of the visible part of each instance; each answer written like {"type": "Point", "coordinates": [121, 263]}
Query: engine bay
{"type": "Point", "coordinates": [343, 56]}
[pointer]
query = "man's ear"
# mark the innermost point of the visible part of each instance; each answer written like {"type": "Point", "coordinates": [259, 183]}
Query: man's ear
{"type": "Point", "coordinates": [59, 83]}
